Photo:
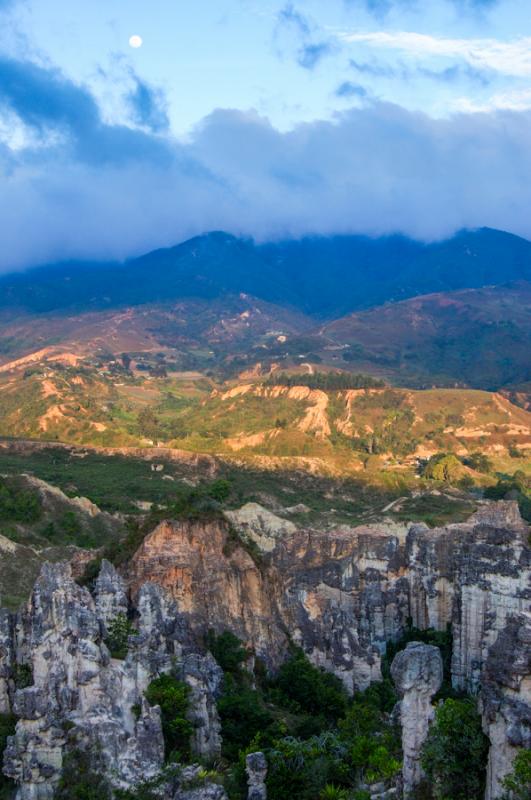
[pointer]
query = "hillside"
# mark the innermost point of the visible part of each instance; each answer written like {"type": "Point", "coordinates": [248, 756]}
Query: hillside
{"type": "Point", "coordinates": [474, 337]}
{"type": "Point", "coordinates": [111, 406]}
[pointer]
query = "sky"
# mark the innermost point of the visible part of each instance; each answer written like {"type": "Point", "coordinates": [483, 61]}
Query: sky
{"type": "Point", "coordinates": [265, 118]}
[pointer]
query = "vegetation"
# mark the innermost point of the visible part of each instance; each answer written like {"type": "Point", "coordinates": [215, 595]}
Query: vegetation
{"type": "Point", "coordinates": [517, 784]}
{"type": "Point", "coordinates": [327, 381]}
{"type": "Point", "coordinates": [81, 780]}
{"type": "Point", "coordinates": [517, 487]}
{"type": "Point", "coordinates": [18, 504]}
{"type": "Point", "coordinates": [454, 756]}
{"type": "Point", "coordinates": [317, 740]}
{"type": "Point", "coordinates": [7, 728]}
{"type": "Point", "coordinates": [172, 696]}
{"type": "Point", "coordinates": [444, 467]}
{"type": "Point", "coordinates": [117, 639]}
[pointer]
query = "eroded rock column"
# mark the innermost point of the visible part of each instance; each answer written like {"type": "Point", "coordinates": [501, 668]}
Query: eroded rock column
{"type": "Point", "coordinates": [418, 673]}
{"type": "Point", "coordinates": [256, 768]}
{"type": "Point", "coordinates": [6, 660]}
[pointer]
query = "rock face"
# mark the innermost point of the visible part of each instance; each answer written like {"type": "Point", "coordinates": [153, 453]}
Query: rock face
{"type": "Point", "coordinates": [80, 698]}
{"type": "Point", "coordinates": [111, 595]}
{"type": "Point", "coordinates": [256, 768]}
{"type": "Point", "coordinates": [343, 594]}
{"type": "Point", "coordinates": [506, 699]}
{"type": "Point", "coordinates": [260, 525]}
{"type": "Point", "coordinates": [418, 673]}
{"type": "Point", "coordinates": [7, 655]}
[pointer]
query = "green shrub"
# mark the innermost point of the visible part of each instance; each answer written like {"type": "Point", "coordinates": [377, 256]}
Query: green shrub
{"type": "Point", "coordinates": [310, 690]}
{"type": "Point", "coordinates": [516, 488]}
{"type": "Point", "coordinates": [17, 504]}
{"type": "Point", "coordinates": [172, 696]}
{"type": "Point", "coordinates": [328, 381]}
{"type": "Point", "coordinates": [454, 755]}
{"type": "Point", "coordinates": [117, 639]}
{"type": "Point", "coordinates": [23, 676]}
{"type": "Point", "coordinates": [81, 780]}
{"type": "Point", "coordinates": [517, 784]}
{"type": "Point", "coordinates": [300, 770]}
{"type": "Point", "coordinates": [227, 650]}
{"type": "Point", "coordinates": [443, 467]}
{"type": "Point", "coordinates": [243, 716]}
{"type": "Point", "coordinates": [478, 461]}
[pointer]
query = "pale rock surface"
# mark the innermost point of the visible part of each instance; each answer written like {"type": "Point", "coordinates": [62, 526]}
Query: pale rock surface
{"type": "Point", "coordinates": [418, 673]}
{"type": "Point", "coordinates": [82, 698]}
{"type": "Point", "coordinates": [344, 593]}
{"type": "Point", "coordinates": [261, 526]}
{"type": "Point", "coordinates": [110, 594]}
{"type": "Point", "coordinates": [256, 769]}
{"type": "Point", "coordinates": [204, 791]}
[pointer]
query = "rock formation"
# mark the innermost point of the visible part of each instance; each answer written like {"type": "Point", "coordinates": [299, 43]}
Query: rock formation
{"type": "Point", "coordinates": [418, 673]}
{"type": "Point", "coordinates": [505, 699]}
{"type": "Point", "coordinates": [81, 698]}
{"type": "Point", "coordinates": [341, 595]}
{"type": "Point", "coordinates": [6, 660]}
{"type": "Point", "coordinates": [111, 595]}
{"type": "Point", "coordinates": [256, 768]}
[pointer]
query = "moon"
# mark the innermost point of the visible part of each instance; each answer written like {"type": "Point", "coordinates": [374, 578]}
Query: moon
{"type": "Point", "coordinates": [135, 41]}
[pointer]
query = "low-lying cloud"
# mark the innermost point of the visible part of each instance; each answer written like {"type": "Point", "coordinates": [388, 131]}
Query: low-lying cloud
{"type": "Point", "coordinates": [88, 189]}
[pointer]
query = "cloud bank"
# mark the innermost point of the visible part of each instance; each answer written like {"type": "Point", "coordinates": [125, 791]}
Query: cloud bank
{"type": "Point", "coordinates": [77, 187]}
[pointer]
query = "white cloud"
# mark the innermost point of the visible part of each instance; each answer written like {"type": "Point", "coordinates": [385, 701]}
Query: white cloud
{"type": "Point", "coordinates": [518, 100]}
{"type": "Point", "coordinates": [508, 58]}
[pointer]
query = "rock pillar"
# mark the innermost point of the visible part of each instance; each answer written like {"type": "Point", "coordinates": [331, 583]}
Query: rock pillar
{"type": "Point", "coordinates": [418, 673]}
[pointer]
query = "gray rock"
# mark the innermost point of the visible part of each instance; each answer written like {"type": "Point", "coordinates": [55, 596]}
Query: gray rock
{"type": "Point", "coordinates": [256, 768]}
{"type": "Point", "coordinates": [418, 673]}
{"type": "Point", "coordinates": [505, 700]}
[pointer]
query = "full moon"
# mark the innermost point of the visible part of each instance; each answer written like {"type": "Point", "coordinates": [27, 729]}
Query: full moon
{"type": "Point", "coordinates": [135, 41]}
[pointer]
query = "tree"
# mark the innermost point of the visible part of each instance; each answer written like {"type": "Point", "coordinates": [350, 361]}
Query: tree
{"type": "Point", "coordinates": [148, 424]}
{"type": "Point", "coordinates": [172, 696]}
{"type": "Point", "coordinates": [454, 756]}
{"type": "Point", "coordinates": [117, 639]}
{"type": "Point", "coordinates": [443, 467]}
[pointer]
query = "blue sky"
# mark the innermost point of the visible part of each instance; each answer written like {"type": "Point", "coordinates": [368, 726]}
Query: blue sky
{"type": "Point", "coordinates": [265, 118]}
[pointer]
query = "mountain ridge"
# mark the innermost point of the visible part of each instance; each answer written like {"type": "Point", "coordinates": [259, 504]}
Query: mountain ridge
{"type": "Point", "coordinates": [325, 277]}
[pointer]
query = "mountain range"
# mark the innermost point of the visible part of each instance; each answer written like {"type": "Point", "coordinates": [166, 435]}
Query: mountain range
{"type": "Point", "coordinates": [453, 313]}
{"type": "Point", "coordinates": [322, 277]}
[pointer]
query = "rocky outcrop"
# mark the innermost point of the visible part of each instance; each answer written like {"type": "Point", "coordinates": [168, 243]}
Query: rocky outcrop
{"type": "Point", "coordinates": [340, 594]}
{"type": "Point", "coordinates": [81, 698]}
{"type": "Point", "coordinates": [7, 657]}
{"type": "Point", "coordinates": [505, 699]}
{"type": "Point", "coordinates": [492, 575]}
{"type": "Point", "coordinates": [261, 526]}
{"type": "Point", "coordinates": [211, 580]}
{"type": "Point", "coordinates": [343, 594]}
{"type": "Point", "coordinates": [256, 769]}
{"type": "Point", "coordinates": [418, 673]}
{"type": "Point", "coordinates": [110, 595]}
{"type": "Point", "coordinates": [78, 695]}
